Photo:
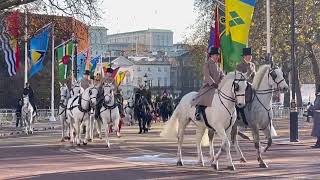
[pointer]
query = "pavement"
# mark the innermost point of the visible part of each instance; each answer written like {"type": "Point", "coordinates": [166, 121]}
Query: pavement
{"type": "Point", "coordinates": [148, 156]}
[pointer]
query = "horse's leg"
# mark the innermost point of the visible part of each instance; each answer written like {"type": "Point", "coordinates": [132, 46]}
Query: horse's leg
{"type": "Point", "coordinates": [140, 124]}
{"type": "Point", "coordinates": [182, 126]}
{"type": "Point", "coordinates": [267, 133]}
{"type": "Point", "coordinates": [99, 122]}
{"type": "Point", "coordinates": [31, 122]}
{"type": "Point", "coordinates": [256, 140]}
{"type": "Point", "coordinates": [224, 146]}
{"type": "Point", "coordinates": [211, 136]}
{"type": "Point", "coordinates": [63, 127]}
{"type": "Point", "coordinates": [199, 135]}
{"type": "Point", "coordinates": [88, 129]}
{"type": "Point", "coordinates": [107, 133]}
{"type": "Point", "coordinates": [235, 143]}
{"type": "Point", "coordinates": [77, 131]}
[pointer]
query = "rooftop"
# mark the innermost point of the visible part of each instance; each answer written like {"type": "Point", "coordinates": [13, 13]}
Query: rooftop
{"type": "Point", "coordinates": [143, 31]}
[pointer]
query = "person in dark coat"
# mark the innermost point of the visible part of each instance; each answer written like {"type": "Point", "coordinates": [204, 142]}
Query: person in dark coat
{"type": "Point", "coordinates": [316, 119]}
{"type": "Point", "coordinates": [29, 91]}
{"type": "Point", "coordinates": [18, 113]}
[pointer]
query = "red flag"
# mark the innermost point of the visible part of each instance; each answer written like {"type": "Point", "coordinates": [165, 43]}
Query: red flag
{"type": "Point", "coordinates": [115, 72]}
{"type": "Point", "coordinates": [216, 29]}
{"type": "Point", "coordinates": [13, 26]}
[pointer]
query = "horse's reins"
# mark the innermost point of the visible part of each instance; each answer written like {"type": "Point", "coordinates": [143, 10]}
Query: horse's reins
{"type": "Point", "coordinates": [106, 106]}
{"type": "Point", "coordinates": [267, 91]}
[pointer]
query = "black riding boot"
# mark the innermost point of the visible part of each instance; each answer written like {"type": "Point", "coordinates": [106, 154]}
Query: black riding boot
{"type": "Point", "coordinates": [199, 109]}
{"type": "Point", "coordinates": [317, 145]}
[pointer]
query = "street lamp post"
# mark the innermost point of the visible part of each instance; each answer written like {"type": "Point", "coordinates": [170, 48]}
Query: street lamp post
{"type": "Point", "coordinates": [293, 107]}
{"type": "Point", "coordinates": [145, 80]}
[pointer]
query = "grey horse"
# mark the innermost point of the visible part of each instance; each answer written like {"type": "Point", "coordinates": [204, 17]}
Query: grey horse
{"type": "Point", "coordinates": [258, 112]}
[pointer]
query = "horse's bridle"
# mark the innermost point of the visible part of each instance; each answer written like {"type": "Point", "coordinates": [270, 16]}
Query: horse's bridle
{"type": "Point", "coordinates": [236, 87]}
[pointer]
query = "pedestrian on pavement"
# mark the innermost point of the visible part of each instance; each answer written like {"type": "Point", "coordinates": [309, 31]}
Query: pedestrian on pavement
{"type": "Point", "coordinates": [18, 113]}
{"type": "Point", "coordinates": [316, 119]}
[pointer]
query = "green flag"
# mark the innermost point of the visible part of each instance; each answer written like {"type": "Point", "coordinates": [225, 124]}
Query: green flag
{"type": "Point", "coordinates": [238, 20]}
{"type": "Point", "coordinates": [64, 57]}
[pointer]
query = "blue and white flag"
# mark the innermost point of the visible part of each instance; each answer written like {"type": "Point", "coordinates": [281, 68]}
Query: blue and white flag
{"type": "Point", "coordinates": [38, 49]}
{"type": "Point", "coordinates": [81, 64]}
{"type": "Point", "coordinates": [9, 55]}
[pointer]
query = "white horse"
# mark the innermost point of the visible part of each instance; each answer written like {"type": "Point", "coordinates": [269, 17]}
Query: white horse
{"type": "Point", "coordinates": [220, 116]}
{"type": "Point", "coordinates": [27, 114]}
{"type": "Point", "coordinates": [258, 112]}
{"type": "Point", "coordinates": [64, 96]}
{"type": "Point", "coordinates": [109, 113]}
{"type": "Point", "coordinates": [78, 113]}
{"type": "Point", "coordinates": [129, 111]}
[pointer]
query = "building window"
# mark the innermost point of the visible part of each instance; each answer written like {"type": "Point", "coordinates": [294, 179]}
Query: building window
{"type": "Point", "coordinates": [159, 81]}
{"type": "Point", "coordinates": [165, 69]}
{"type": "Point", "coordinates": [165, 81]}
{"type": "Point", "coordinates": [159, 69]}
{"type": "Point", "coordinates": [139, 68]}
{"type": "Point", "coordinates": [149, 69]}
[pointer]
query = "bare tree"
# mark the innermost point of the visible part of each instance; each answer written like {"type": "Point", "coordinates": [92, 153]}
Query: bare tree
{"type": "Point", "coordinates": [83, 9]}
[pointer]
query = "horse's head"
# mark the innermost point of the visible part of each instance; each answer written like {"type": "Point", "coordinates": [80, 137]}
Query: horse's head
{"type": "Point", "coordinates": [239, 87]}
{"type": "Point", "coordinates": [76, 89]}
{"type": "Point", "coordinates": [276, 79]}
{"type": "Point", "coordinates": [108, 93]}
{"type": "Point", "coordinates": [93, 93]}
{"type": "Point", "coordinates": [64, 92]}
{"type": "Point", "coordinates": [25, 100]}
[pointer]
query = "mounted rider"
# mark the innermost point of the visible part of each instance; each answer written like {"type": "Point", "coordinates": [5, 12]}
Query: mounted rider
{"type": "Point", "coordinates": [118, 97]}
{"type": "Point", "coordinates": [248, 68]}
{"type": "Point", "coordinates": [29, 91]}
{"type": "Point", "coordinates": [212, 77]}
{"type": "Point", "coordinates": [85, 81]}
{"type": "Point", "coordinates": [108, 79]}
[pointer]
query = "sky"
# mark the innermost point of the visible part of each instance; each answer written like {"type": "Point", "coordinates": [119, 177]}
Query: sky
{"type": "Point", "coordinates": [131, 15]}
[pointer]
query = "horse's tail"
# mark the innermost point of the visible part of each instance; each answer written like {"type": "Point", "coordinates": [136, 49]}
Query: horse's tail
{"type": "Point", "coordinates": [273, 131]}
{"type": "Point", "coordinates": [170, 130]}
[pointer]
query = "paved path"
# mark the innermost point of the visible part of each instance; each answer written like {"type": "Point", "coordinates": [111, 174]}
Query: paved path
{"type": "Point", "coordinates": [147, 156]}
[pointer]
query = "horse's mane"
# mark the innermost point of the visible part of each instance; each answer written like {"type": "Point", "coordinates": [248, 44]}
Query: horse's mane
{"type": "Point", "coordinates": [230, 75]}
{"type": "Point", "coordinates": [259, 75]}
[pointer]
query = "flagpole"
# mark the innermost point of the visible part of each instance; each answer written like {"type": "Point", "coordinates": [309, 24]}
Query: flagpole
{"type": "Point", "coordinates": [25, 46]}
{"type": "Point", "coordinates": [72, 59]}
{"type": "Point", "coordinates": [268, 33]}
{"type": "Point", "coordinates": [52, 118]}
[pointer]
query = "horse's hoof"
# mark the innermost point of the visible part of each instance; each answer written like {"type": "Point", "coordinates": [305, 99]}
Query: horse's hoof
{"type": "Point", "coordinates": [89, 140]}
{"type": "Point", "coordinates": [232, 168]}
{"type": "Point", "coordinates": [84, 143]}
{"type": "Point", "coordinates": [201, 164]}
{"type": "Point", "coordinates": [140, 132]}
{"type": "Point", "coordinates": [215, 166]}
{"type": "Point", "coordinates": [263, 165]}
{"type": "Point", "coordinates": [108, 146]}
{"type": "Point", "coordinates": [67, 138]}
{"type": "Point", "coordinates": [243, 160]}
{"type": "Point", "coordinates": [62, 140]}
{"type": "Point", "coordinates": [179, 163]}
{"type": "Point", "coordinates": [78, 144]}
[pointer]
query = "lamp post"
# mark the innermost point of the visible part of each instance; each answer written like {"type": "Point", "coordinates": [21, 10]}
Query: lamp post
{"type": "Point", "coordinates": [145, 80]}
{"type": "Point", "coordinates": [293, 107]}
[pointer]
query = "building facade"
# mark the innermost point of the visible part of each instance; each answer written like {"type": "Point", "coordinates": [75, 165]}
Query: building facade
{"type": "Point", "coordinates": [153, 73]}
{"type": "Point", "coordinates": [151, 40]}
{"type": "Point", "coordinates": [98, 40]}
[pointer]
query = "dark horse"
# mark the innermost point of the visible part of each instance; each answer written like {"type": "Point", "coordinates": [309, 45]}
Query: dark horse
{"type": "Point", "coordinates": [141, 111]}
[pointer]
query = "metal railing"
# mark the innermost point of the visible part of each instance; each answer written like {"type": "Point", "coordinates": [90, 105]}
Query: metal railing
{"type": "Point", "coordinates": [281, 112]}
{"type": "Point", "coordinates": [10, 114]}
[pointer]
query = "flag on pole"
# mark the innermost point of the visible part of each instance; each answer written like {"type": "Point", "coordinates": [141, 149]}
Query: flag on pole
{"type": "Point", "coordinates": [238, 20]}
{"type": "Point", "coordinates": [115, 72]}
{"type": "Point", "coordinates": [64, 54]}
{"type": "Point", "coordinates": [13, 26]}
{"type": "Point", "coordinates": [81, 64]}
{"type": "Point", "coordinates": [9, 53]}
{"type": "Point", "coordinates": [120, 77]}
{"type": "Point", "coordinates": [93, 64]}
{"type": "Point", "coordinates": [38, 49]}
{"type": "Point", "coordinates": [214, 39]}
